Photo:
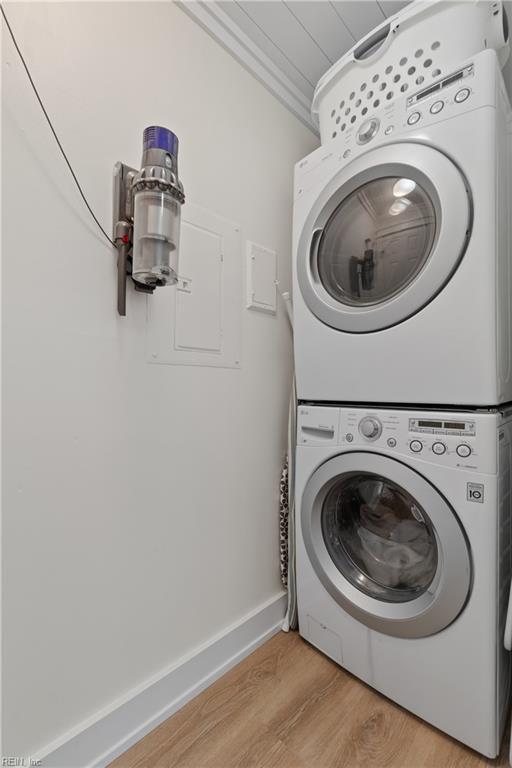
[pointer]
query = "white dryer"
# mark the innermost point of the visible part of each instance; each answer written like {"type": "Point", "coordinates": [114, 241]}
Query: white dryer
{"type": "Point", "coordinates": [404, 556]}
{"type": "Point", "coordinates": [402, 240]}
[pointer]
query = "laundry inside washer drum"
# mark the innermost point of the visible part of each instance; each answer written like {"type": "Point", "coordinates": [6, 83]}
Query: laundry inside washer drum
{"type": "Point", "coordinates": [379, 538]}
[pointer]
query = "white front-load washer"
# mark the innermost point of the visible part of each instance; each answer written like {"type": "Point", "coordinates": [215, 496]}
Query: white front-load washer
{"type": "Point", "coordinates": [402, 245]}
{"type": "Point", "coordinates": [403, 535]}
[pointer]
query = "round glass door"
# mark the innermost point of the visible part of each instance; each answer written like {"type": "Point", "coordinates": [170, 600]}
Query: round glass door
{"type": "Point", "coordinates": [383, 237]}
{"type": "Point", "coordinates": [379, 537]}
{"type": "Point", "coordinates": [385, 544]}
{"type": "Point", "coordinates": [376, 241]}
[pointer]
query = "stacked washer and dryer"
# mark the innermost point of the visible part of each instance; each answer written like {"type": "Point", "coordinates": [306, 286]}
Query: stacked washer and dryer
{"type": "Point", "coordinates": [403, 330]}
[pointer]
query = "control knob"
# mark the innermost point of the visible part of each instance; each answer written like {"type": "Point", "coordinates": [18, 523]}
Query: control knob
{"type": "Point", "coordinates": [370, 427]}
{"type": "Point", "coordinates": [368, 130]}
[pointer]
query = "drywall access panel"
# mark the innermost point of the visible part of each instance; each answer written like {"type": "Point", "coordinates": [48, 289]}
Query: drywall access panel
{"type": "Point", "coordinates": [261, 278]}
{"type": "Point", "coordinates": [197, 322]}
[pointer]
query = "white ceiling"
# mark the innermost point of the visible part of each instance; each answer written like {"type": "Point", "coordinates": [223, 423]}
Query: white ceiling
{"type": "Point", "coordinates": [290, 44]}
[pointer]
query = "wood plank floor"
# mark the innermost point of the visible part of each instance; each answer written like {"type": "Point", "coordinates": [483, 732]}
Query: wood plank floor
{"type": "Point", "coordinates": [288, 706]}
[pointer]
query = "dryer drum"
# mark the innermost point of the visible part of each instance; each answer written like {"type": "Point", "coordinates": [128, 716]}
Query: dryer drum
{"type": "Point", "coordinates": [383, 237]}
{"type": "Point", "coordinates": [375, 243]}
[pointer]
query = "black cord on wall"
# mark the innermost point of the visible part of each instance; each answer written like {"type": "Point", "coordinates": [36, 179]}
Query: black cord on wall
{"type": "Point", "coordinates": [73, 174]}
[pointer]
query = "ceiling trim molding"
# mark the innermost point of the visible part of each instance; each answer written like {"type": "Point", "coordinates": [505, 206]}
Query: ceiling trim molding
{"type": "Point", "coordinates": [219, 25]}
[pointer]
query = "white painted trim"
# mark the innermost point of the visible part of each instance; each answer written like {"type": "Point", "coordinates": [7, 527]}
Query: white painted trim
{"type": "Point", "coordinates": [99, 740]}
{"type": "Point", "coordinates": [219, 25]}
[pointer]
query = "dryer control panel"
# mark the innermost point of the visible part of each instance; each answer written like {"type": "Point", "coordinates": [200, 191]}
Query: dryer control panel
{"type": "Point", "coordinates": [437, 97]}
{"type": "Point", "coordinates": [452, 439]}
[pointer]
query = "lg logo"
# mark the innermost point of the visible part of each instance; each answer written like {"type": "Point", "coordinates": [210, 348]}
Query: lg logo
{"type": "Point", "coordinates": [475, 492]}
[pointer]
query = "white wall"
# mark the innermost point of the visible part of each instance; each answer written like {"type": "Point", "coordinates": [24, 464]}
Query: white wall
{"type": "Point", "coordinates": [140, 501]}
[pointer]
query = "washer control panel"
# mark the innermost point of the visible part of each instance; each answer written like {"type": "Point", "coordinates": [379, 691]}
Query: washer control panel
{"type": "Point", "coordinates": [447, 439]}
{"type": "Point", "coordinates": [437, 430]}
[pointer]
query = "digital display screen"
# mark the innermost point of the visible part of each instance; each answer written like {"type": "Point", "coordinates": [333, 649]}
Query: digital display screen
{"type": "Point", "coordinates": [460, 425]}
{"type": "Point", "coordinates": [452, 79]}
{"type": "Point", "coordinates": [426, 93]}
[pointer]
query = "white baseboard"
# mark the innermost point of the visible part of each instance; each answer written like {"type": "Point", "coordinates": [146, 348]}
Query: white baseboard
{"type": "Point", "coordinates": [97, 743]}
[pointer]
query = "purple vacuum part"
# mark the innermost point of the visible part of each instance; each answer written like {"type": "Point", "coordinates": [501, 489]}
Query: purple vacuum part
{"type": "Point", "coordinates": [156, 137]}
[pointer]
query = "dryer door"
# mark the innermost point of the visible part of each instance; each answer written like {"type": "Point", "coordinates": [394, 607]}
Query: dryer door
{"type": "Point", "coordinates": [386, 544]}
{"type": "Point", "coordinates": [383, 238]}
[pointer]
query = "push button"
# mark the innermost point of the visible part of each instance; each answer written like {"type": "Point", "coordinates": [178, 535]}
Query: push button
{"type": "Point", "coordinates": [461, 95]}
{"type": "Point", "coordinates": [463, 451]}
{"type": "Point", "coordinates": [439, 449]}
{"type": "Point", "coordinates": [436, 107]}
{"type": "Point", "coordinates": [413, 119]}
{"type": "Point", "coordinates": [416, 446]}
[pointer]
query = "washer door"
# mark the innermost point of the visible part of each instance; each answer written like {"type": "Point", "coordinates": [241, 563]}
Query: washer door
{"type": "Point", "coordinates": [383, 238]}
{"type": "Point", "coordinates": [385, 544]}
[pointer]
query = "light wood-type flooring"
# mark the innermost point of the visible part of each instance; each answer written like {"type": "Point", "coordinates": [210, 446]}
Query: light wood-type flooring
{"type": "Point", "coordinates": [288, 706]}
